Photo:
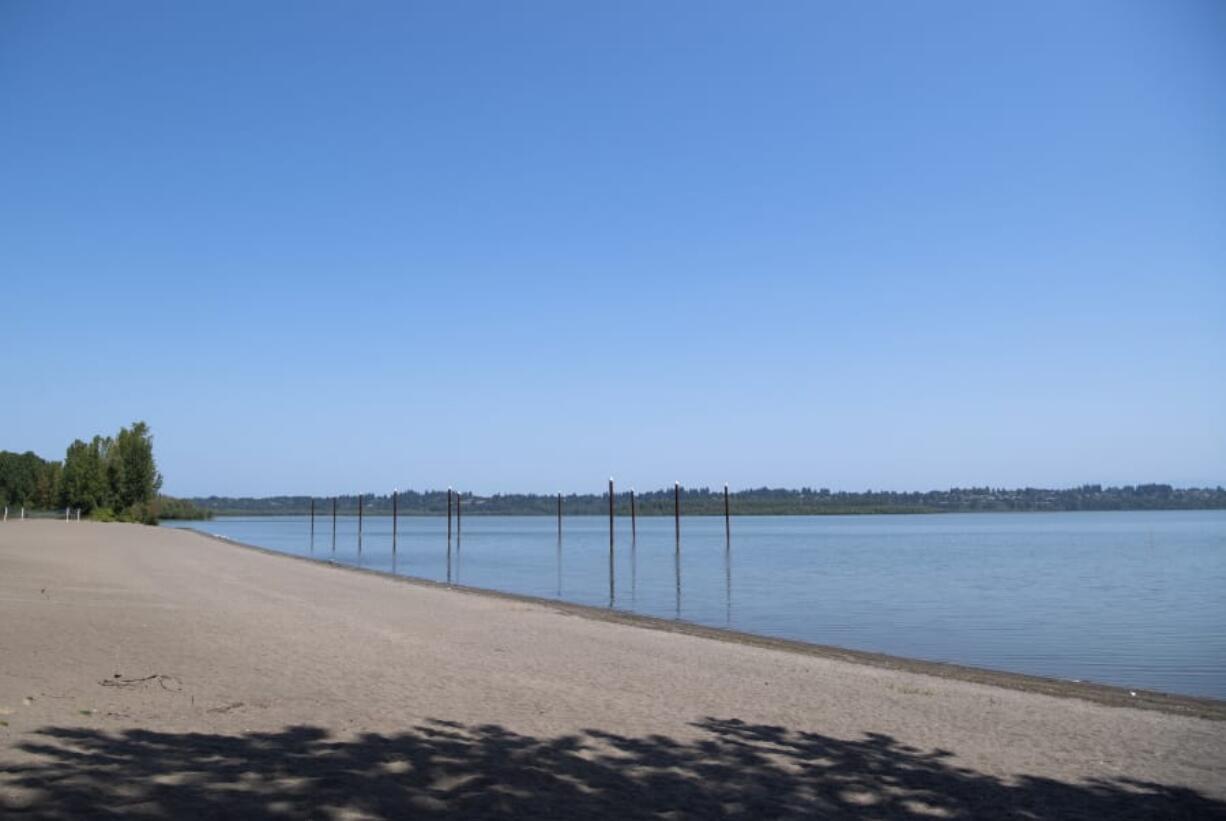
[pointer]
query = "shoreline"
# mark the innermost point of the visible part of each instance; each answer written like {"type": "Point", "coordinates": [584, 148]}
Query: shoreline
{"type": "Point", "coordinates": [1105, 694]}
{"type": "Point", "coordinates": [148, 671]}
{"type": "Point", "coordinates": [478, 514]}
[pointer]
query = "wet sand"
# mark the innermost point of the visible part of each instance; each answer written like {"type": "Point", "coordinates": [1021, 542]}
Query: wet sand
{"type": "Point", "coordinates": [161, 673]}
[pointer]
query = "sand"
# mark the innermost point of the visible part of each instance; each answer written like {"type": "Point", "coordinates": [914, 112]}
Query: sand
{"type": "Point", "coordinates": [158, 673]}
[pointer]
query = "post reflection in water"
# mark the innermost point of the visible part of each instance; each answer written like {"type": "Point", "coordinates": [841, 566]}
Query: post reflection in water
{"type": "Point", "coordinates": [677, 573]}
{"type": "Point", "coordinates": [728, 584]}
{"type": "Point", "coordinates": [634, 572]}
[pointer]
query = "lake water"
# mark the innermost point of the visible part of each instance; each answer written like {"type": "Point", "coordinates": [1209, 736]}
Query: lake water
{"type": "Point", "coordinates": [1136, 599]}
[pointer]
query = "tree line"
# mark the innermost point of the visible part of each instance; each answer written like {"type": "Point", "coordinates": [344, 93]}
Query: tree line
{"type": "Point", "coordinates": [755, 501]}
{"type": "Point", "coordinates": [107, 478]}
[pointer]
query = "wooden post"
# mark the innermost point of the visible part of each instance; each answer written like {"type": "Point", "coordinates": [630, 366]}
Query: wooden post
{"type": "Point", "coordinates": [610, 515]}
{"type": "Point", "coordinates": [559, 517]}
{"type": "Point", "coordinates": [611, 588]}
{"type": "Point", "coordinates": [448, 514]}
{"type": "Point", "coordinates": [359, 520]}
{"type": "Point", "coordinates": [312, 519]}
{"type": "Point", "coordinates": [634, 528]}
{"type": "Point", "coordinates": [677, 511]}
{"type": "Point", "coordinates": [677, 550]}
{"type": "Point", "coordinates": [458, 497]}
{"type": "Point", "coordinates": [395, 497]}
{"type": "Point", "coordinates": [727, 516]}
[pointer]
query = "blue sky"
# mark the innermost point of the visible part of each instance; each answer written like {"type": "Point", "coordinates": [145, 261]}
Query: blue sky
{"type": "Point", "coordinates": [331, 247]}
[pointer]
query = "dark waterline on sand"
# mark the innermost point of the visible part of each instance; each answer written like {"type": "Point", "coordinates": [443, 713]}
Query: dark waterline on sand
{"type": "Point", "coordinates": [1134, 599]}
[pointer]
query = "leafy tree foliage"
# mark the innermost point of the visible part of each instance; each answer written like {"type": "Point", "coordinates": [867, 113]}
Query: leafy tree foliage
{"type": "Point", "coordinates": [108, 477]}
{"type": "Point", "coordinates": [137, 480]}
{"type": "Point", "coordinates": [27, 480]}
{"type": "Point", "coordinates": [85, 481]}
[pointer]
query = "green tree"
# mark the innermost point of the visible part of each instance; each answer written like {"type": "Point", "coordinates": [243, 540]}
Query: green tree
{"type": "Point", "coordinates": [47, 486]}
{"type": "Point", "coordinates": [134, 477]}
{"type": "Point", "coordinates": [26, 479]}
{"type": "Point", "coordinates": [84, 482]}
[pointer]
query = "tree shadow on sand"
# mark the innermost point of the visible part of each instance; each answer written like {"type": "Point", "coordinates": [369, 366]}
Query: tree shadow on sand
{"type": "Point", "coordinates": [446, 770]}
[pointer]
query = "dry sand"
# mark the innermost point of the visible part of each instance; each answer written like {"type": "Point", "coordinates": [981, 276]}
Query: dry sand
{"type": "Point", "coordinates": [158, 673]}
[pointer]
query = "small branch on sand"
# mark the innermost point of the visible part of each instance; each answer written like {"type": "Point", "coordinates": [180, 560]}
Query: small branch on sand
{"type": "Point", "coordinates": [168, 682]}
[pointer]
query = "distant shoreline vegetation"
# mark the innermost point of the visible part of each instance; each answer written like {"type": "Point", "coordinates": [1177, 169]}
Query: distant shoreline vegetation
{"type": "Point", "coordinates": [109, 478]}
{"type": "Point", "coordinates": [753, 502]}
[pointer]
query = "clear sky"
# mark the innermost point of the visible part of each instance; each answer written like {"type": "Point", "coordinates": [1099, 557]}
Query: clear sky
{"type": "Point", "coordinates": [341, 247]}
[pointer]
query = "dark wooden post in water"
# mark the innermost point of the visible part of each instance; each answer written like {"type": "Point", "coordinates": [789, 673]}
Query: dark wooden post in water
{"type": "Point", "coordinates": [359, 522]}
{"type": "Point", "coordinates": [677, 511]}
{"type": "Point", "coordinates": [395, 499]}
{"type": "Point", "coordinates": [458, 496]}
{"type": "Point", "coordinates": [727, 516]}
{"type": "Point", "coordinates": [559, 517]}
{"type": "Point", "coordinates": [448, 514]}
{"type": "Point", "coordinates": [312, 521]}
{"type": "Point", "coordinates": [611, 586]}
{"type": "Point", "coordinates": [634, 528]}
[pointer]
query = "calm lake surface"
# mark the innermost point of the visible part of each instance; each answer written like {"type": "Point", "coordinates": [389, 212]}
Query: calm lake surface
{"type": "Point", "coordinates": [1136, 599]}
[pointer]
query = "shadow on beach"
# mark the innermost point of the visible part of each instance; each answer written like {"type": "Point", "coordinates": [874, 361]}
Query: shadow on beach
{"type": "Point", "coordinates": [447, 770]}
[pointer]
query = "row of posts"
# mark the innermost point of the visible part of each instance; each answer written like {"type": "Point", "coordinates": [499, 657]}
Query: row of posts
{"type": "Point", "coordinates": [454, 506]}
{"type": "Point", "coordinates": [454, 499]}
{"type": "Point", "coordinates": [70, 514]}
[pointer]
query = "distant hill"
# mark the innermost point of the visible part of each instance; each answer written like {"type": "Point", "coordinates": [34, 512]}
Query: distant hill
{"type": "Point", "coordinates": [755, 502]}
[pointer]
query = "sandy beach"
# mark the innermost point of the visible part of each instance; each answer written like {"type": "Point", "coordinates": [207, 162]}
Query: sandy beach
{"type": "Point", "coordinates": [160, 673]}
